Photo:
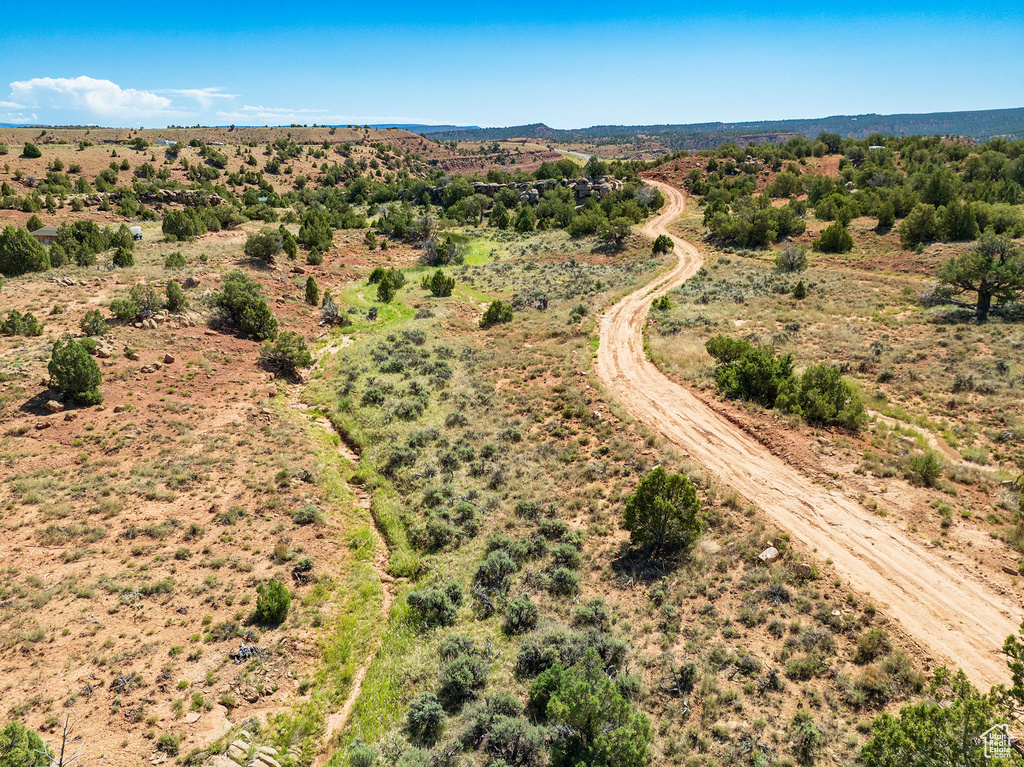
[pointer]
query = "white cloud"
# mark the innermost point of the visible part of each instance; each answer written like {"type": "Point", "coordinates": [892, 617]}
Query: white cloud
{"type": "Point", "coordinates": [10, 105]}
{"type": "Point", "coordinates": [205, 97]}
{"type": "Point", "coordinates": [102, 98]}
{"type": "Point", "coordinates": [17, 118]}
{"type": "Point", "coordinates": [261, 115]}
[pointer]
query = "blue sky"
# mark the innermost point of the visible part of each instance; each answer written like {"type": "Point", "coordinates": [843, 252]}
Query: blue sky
{"type": "Point", "coordinates": [564, 64]}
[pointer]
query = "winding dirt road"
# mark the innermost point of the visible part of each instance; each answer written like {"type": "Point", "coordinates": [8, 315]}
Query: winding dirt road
{"type": "Point", "coordinates": [957, 617]}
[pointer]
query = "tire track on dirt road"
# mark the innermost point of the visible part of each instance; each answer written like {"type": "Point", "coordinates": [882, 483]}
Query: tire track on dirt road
{"type": "Point", "coordinates": [959, 619]}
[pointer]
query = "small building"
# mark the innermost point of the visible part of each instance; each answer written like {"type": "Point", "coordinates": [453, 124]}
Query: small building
{"type": "Point", "coordinates": [47, 235]}
{"type": "Point", "coordinates": [136, 232]}
{"type": "Point", "coordinates": [165, 142]}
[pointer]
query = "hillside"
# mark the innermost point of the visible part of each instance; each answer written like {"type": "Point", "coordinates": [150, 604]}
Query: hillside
{"type": "Point", "coordinates": [979, 125]}
{"type": "Point", "coordinates": [420, 545]}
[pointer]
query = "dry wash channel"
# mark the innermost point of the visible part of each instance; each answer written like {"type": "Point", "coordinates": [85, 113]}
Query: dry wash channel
{"type": "Point", "coordinates": [955, 616]}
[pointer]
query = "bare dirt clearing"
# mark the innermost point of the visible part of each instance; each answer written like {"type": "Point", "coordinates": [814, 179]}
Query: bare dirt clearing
{"type": "Point", "coordinates": [957, 617]}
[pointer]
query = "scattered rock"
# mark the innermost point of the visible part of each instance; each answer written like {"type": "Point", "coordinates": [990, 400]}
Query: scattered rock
{"type": "Point", "coordinates": [43, 425]}
{"type": "Point", "coordinates": [238, 751]}
{"type": "Point", "coordinates": [168, 359]}
{"type": "Point", "coordinates": [192, 717]}
{"type": "Point", "coordinates": [768, 555]}
{"type": "Point", "coordinates": [103, 352]}
{"type": "Point", "coordinates": [134, 356]}
{"type": "Point", "coordinates": [802, 571]}
{"type": "Point", "coordinates": [264, 760]}
{"type": "Point", "coordinates": [118, 408]}
{"type": "Point", "coordinates": [298, 270]}
{"type": "Point", "coordinates": [220, 761]}
{"type": "Point", "coordinates": [190, 282]}
{"type": "Point", "coordinates": [54, 406]}
{"type": "Point", "coordinates": [70, 416]}
{"type": "Point", "coordinates": [1010, 570]}
{"type": "Point", "coordinates": [248, 694]}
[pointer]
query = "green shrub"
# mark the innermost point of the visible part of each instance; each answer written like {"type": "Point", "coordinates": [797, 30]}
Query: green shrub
{"type": "Point", "coordinates": [807, 740]}
{"type": "Point", "coordinates": [547, 683]}
{"type": "Point", "coordinates": [288, 243]}
{"type": "Point", "coordinates": [496, 571]}
{"type": "Point", "coordinates": [264, 245]}
{"type": "Point", "coordinates": [564, 581]}
{"type": "Point", "coordinates": [521, 615]}
{"type": "Point", "coordinates": [566, 555]}
{"type": "Point", "coordinates": [800, 291]}
{"type": "Point", "coordinates": [31, 151]}
{"type": "Point", "coordinates": [921, 225]}
{"type": "Point", "coordinates": [242, 300]}
{"type": "Point", "coordinates": [93, 324]}
{"type": "Point", "coordinates": [822, 396]}
{"type": "Point", "coordinates": [168, 744]}
{"type": "Point", "coordinates": [924, 469]}
{"type": "Point", "coordinates": [123, 258]}
{"type": "Point", "coordinates": [315, 231]}
{"type": "Point", "coordinates": [592, 614]}
{"type": "Point", "coordinates": [312, 291]}
{"type": "Point", "coordinates": [662, 513]}
{"type": "Point", "coordinates": [144, 298]}
{"type": "Point", "coordinates": [308, 515]}
{"type": "Point", "coordinates": [18, 324]}
{"type": "Point", "coordinates": [725, 349]}
{"type": "Point", "coordinates": [496, 313]}
{"type": "Point", "coordinates": [757, 375]}
{"type": "Point", "coordinates": [662, 244]}
{"type": "Point", "coordinates": [74, 372]}
{"type": "Point", "coordinates": [176, 300]}
{"type": "Point", "coordinates": [871, 645]}
{"type": "Point", "coordinates": [425, 719]}
{"type": "Point", "coordinates": [594, 724]}
{"type": "Point", "coordinates": [834, 239]}
{"type": "Point", "coordinates": [21, 747]}
{"type": "Point", "coordinates": [20, 253]}
{"type": "Point", "coordinates": [886, 215]}
{"type": "Point", "coordinates": [286, 354]}
{"type": "Point", "coordinates": [272, 603]}
{"type": "Point", "coordinates": [361, 755]}
{"type": "Point", "coordinates": [124, 309]}
{"type": "Point", "coordinates": [460, 679]}
{"type": "Point", "coordinates": [184, 224]}
{"type": "Point", "coordinates": [175, 260]}
{"type": "Point", "coordinates": [438, 284]}
{"type": "Point", "coordinates": [385, 289]}
{"type": "Point", "coordinates": [435, 607]}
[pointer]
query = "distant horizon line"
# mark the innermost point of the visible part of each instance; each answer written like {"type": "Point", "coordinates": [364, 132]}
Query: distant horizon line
{"type": "Point", "coordinates": [450, 127]}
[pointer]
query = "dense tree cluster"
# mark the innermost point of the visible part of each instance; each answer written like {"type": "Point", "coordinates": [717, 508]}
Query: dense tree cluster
{"type": "Point", "coordinates": [929, 188]}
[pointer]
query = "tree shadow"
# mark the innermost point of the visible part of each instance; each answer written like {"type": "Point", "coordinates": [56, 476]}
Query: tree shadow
{"type": "Point", "coordinates": [634, 565]}
{"type": "Point", "coordinates": [36, 405]}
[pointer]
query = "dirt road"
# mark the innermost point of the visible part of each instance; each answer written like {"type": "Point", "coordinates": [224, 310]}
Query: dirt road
{"type": "Point", "coordinates": [953, 614]}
